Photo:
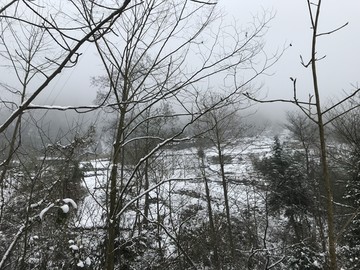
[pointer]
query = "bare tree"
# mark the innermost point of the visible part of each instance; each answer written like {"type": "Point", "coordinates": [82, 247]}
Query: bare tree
{"type": "Point", "coordinates": [319, 117]}
{"type": "Point", "coordinates": [152, 52]}
{"type": "Point", "coordinates": [222, 126]}
{"type": "Point", "coordinates": [305, 131]}
{"type": "Point", "coordinates": [35, 48]}
{"type": "Point", "coordinates": [213, 230]}
{"type": "Point", "coordinates": [66, 31]}
{"type": "Point", "coordinates": [160, 38]}
{"type": "Point", "coordinates": [346, 132]}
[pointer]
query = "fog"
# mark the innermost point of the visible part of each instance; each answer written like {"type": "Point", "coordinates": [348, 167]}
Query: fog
{"type": "Point", "coordinates": [173, 144]}
{"type": "Point", "coordinates": [289, 31]}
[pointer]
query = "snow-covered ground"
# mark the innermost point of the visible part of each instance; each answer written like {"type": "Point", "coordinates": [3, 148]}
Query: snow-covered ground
{"type": "Point", "coordinates": [91, 210]}
{"type": "Point", "coordinates": [184, 186]}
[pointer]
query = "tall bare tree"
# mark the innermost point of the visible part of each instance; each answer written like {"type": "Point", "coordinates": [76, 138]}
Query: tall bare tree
{"type": "Point", "coordinates": [152, 52]}
{"type": "Point", "coordinates": [167, 55]}
{"type": "Point", "coordinates": [213, 230]}
{"type": "Point", "coordinates": [223, 126]}
{"type": "Point", "coordinates": [37, 42]}
{"type": "Point", "coordinates": [66, 31]}
{"type": "Point", "coordinates": [305, 131]}
{"type": "Point", "coordinates": [315, 112]}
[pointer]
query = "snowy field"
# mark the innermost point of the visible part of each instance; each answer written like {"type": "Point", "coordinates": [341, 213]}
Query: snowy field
{"type": "Point", "coordinates": [183, 166]}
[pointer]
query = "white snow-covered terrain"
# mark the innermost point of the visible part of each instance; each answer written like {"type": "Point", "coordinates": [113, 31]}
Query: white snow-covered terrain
{"type": "Point", "coordinates": [185, 186]}
{"type": "Point", "coordinates": [183, 190]}
{"type": "Point", "coordinates": [176, 216]}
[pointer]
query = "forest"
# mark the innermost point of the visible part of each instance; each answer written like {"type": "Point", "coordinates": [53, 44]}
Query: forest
{"type": "Point", "coordinates": [166, 167]}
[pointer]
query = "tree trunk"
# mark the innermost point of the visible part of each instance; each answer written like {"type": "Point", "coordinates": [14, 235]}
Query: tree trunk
{"type": "Point", "coordinates": [226, 201]}
{"type": "Point", "coordinates": [147, 196]}
{"type": "Point", "coordinates": [112, 221]}
{"type": "Point", "coordinates": [323, 149]}
{"type": "Point", "coordinates": [213, 231]}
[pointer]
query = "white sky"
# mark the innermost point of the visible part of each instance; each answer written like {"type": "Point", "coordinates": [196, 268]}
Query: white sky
{"type": "Point", "coordinates": [291, 25]}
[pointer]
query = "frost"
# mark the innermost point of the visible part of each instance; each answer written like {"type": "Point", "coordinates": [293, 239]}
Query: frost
{"type": "Point", "coordinates": [71, 201]}
{"type": "Point", "coordinates": [74, 247]}
{"type": "Point", "coordinates": [80, 264]}
{"type": "Point", "coordinates": [43, 212]}
{"type": "Point", "coordinates": [65, 208]}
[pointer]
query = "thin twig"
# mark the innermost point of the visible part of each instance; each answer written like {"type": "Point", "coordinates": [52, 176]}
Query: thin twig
{"type": "Point", "coordinates": [332, 31]}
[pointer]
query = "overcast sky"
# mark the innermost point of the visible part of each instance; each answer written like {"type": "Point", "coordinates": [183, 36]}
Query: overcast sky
{"type": "Point", "coordinates": [337, 72]}
{"type": "Point", "coordinates": [291, 24]}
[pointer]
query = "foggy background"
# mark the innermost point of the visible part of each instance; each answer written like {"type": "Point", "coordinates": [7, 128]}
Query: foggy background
{"type": "Point", "coordinates": [338, 72]}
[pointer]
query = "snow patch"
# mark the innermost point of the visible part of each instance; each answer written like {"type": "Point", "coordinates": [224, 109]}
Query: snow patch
{"type": "Point", "coordinates": [65, 208]}
{"type": "Point", "coordinates": [80, 264]}
{"type": "Point", "coordinates": [43, 212]}
{"type": "Point", "coordinates": [74, 247]}
{"type": "Point", "coordinates": [71, 201]}
{"type": "Point", "coordinates": [88, 261]}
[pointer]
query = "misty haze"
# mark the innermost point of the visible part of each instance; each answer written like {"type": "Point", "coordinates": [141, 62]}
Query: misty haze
{"type": "Point", "coordinates": [196, 134]}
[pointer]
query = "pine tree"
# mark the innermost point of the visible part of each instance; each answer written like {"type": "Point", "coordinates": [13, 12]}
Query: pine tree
{"type": "Point", "coordinates": [289, 187]}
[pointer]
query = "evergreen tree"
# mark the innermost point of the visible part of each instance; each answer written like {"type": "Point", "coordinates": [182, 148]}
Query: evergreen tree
{"type": "Point", "coordinates": [290, 192]}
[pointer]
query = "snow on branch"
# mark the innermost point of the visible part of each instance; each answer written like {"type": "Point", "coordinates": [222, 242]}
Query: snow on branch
{"type": "Point", "coordinates": [71, 201]}
{"type": "Point", "coordinates": [78, 109]}
{"type": "Point", "coordinates": [37, 204]}
{"type": "Point", "coordinates": [11, 246]}
{"type": "Point", "coordinates": [45, 210]}
{"type": "Point", "coordinates": [65, 207]}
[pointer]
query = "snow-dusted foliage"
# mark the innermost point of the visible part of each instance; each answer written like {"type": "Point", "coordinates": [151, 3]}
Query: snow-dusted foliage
{"type": "Point", "coordinates": [42, 194]}
{"type": "Point", "coordinates": [273, 224]}
{"type": "Point", "coordinates": [304, 257]}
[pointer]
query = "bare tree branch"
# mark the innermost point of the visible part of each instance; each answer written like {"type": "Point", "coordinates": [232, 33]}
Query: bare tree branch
{"type": "Point", "coordinates": [333, 31]}
{"type": "Point", "coordinates": [203, 2]}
